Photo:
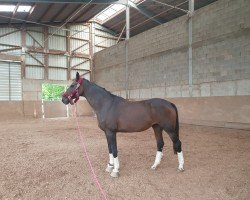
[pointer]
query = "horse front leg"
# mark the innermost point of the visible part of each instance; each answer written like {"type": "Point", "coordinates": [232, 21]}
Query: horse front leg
{"type": "Point", "coordinates": [110, 165]}
{"type": "Point", "coordinates": [111, 136]}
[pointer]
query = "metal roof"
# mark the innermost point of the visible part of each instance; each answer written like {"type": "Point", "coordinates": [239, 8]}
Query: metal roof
{"type": "Point", "coordinates": [52, 13]}
{"type": "Point", "coordinates": [57, 12]}
{"type": "Point", "coordinates": [163, 13]}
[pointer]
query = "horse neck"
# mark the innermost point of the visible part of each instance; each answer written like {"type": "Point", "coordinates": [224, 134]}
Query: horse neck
{"type": "Point", "coordinates": [96, 96]}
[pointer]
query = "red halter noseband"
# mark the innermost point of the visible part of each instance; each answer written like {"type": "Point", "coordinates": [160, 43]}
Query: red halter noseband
{"type": "Point", "coordinates": [74, 93]}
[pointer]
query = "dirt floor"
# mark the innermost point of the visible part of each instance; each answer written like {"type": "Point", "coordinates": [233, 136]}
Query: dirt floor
{"type": "Point", "coordinates": [43, 159]}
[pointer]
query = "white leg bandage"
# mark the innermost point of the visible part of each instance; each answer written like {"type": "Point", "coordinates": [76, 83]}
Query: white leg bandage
{"type": "Point", "coordinates": [116, 165]}
{"type": "Point", "coordinates": [110, 165]}
{"type": "Point", "coordinates": [115, 171]}
{"type": "Point", "coordinates": [157, 159]}
{"type": "Point", "coordinates": [111, 159]}
{"type": "Point", "coordinates": [181, 161]}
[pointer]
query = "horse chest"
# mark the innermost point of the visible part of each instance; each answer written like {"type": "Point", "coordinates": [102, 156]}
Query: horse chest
{"type": "Point", "coordinates": [104, 123]}
{"type": "Point", "coordinates": [101, 122]}
{"type": "Point", "coordinates": [101, 125]}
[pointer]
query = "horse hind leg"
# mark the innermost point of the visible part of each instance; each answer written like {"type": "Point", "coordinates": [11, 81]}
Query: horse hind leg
{"type": "Point", "coordinates": [177, 147]}
{"type": "Point", "coordinates": [160, 144]}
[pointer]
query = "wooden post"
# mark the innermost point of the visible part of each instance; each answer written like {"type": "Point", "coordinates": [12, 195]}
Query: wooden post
{"type": "Point", "coordinates": [91, 50]}
{"type": "Point", "coordinates": [126, 48]}
{"type": "Point", "coordinates": [46, 50]}
{"type": "Point", "coordinates": [190, 50]}
{"type": "Point", "coordinates": [68, 54]}
{"type": "Point", "coordinates": [23, 44]}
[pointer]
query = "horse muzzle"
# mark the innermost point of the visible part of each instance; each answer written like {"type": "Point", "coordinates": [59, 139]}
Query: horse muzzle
{"type": "Point", "coordinates": [72, 100]}
{"type": "Point", "coordinates": [65, 100]}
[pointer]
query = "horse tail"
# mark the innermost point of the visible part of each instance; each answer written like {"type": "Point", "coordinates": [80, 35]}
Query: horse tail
{"type": "Point", "coordinates": [176, 124]}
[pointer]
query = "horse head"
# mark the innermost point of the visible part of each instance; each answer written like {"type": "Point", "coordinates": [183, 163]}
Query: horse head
{"type": "Point", "coordinates": [74, 91]}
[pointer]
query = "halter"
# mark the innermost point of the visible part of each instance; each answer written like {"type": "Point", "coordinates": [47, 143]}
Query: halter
{"type": "Point", "coordinates": [74, 93]}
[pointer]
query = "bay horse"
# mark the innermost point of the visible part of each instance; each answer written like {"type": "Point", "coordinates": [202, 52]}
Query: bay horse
{"type": "Point", "coordinates": [116, 114]}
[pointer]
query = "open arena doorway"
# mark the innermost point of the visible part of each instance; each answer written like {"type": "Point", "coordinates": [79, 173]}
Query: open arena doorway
{"type": "Point", "coordinates": [51, 101]}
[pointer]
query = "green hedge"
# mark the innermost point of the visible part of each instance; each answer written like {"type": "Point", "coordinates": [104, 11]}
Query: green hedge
{"type": "Point", "coordinates": [52, 92]}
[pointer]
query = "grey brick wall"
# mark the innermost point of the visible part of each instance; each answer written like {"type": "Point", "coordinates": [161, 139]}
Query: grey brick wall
{"type": "Point", "coordinates": [158, 58]}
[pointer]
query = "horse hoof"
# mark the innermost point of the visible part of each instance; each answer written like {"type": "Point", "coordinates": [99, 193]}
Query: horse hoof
{"type": "Point", "coordinates": [180, 169]}
{"type": "Point", "coordinates": [114, 174]}
{"type": "Point", "coordinates": [153, 167]}
{"type": "Point", "coordinates": [109, 169]}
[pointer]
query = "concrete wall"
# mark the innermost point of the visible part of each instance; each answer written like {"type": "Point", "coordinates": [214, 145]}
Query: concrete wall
{"type": "Point", "coordinates": [158, 63]}
{"type": "Point", "coordinates": [229, 112]}
{"type": "Point", "coordinates": [11, 110]}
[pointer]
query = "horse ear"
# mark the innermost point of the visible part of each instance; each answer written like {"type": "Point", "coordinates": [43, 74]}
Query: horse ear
{"type": "Point", "coordinates": [77, 76]}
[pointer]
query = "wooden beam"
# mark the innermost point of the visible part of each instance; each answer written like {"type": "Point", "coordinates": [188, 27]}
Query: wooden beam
{"type": "Point", "coordinates": [57, 52]}
{"type": "Point", "coordinates": [35, 49]}
{"type": "Point", "coordinates": [6, 57]}
{"type": "Point", "coordinates": [56, 67]}
{"type": "Point", "coordinates": [42, 51]}
{"type": "Point", "coordinates": [32, 65]}
{"type": "Point", "coordinates": [80, 55]}
{"type": "Point", "coordinates": [81, 39]}
{"type": "Point", "coordinates": [10, 49]}
{"type": "Point", "coordinates": [107, 37]}
{"type": "Point", "coordinates": [9, 45]}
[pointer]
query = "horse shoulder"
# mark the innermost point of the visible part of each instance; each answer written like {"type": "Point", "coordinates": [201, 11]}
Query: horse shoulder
{"type": "Point", "coordinates": [107, 117]}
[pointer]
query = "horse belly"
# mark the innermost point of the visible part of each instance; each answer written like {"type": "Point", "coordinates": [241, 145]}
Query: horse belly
{"type": "Point", "coordinates": [134, 120]}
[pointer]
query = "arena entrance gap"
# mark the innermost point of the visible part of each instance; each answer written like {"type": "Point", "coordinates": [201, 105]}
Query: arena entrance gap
{"type": "Point", "coordinates": [52, 107]}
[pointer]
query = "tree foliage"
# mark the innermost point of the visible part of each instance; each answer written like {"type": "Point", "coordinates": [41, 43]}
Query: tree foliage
{"type": "Point", "coordinates": [52, 92]}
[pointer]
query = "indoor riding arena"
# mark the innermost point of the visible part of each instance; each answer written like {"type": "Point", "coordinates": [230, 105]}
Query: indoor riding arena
{"type": "Point", "coordinates": [125, 99]}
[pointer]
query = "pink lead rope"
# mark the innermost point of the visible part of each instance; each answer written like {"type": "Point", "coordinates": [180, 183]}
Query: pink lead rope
{"type": "Point", "coordinates": [88, 159]}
